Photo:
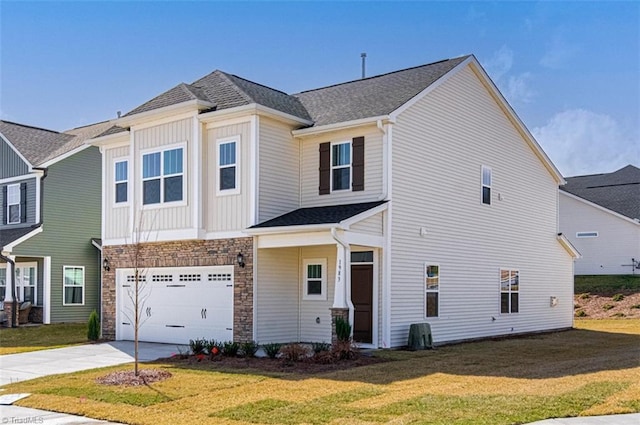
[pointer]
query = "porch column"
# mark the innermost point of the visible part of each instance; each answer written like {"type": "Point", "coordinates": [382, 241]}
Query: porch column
{"type": "Point", "coordinates": [342, 306]}
{"type": "Point", "coordinates": [9, 306]}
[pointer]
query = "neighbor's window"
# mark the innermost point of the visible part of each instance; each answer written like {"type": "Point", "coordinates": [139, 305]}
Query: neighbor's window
{"type": "Point", "coordinates": [3, 283]}
{"type": "Point", "coordinates": [486, 185]}
{"type": "Point", "coordinates": [26, 282]}
{"type": "Point", "coordinates": [586, 234]}
{"type": "Point", "coordinates": [315, 279]}
{"type": "Point", "coordinates": [432, 289]}
{"type": "Point", "coordinates": [73, 285]}
{"type": "Point", "coordinates": [341, 166]}
{"type": "Point", "coordinates": [13, 204]}
{"type": "Point", "coordinates": [509, 291]}
{"type": "Point", "coordinates": [121, 178]}
{"type": "Point", "coordinates": [162, 176]}
{"type": "Point", "coordinates": [227, 166]}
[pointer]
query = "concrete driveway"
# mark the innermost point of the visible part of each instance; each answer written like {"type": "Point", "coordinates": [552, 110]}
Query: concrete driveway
{"type": "Point", "coordinates": [35, 364]}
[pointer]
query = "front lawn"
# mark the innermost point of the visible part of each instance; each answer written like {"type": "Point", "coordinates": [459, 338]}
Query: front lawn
{"type": "Point", "coordinates": [33, 338]}
{"type": "Point", "coordinates": [591, 370]}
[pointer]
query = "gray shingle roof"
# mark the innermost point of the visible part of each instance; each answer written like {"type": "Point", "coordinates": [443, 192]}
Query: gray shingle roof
{"type": "Point", "coordinates": [39, 145]}
{"type": "Point", "coordinates": [9, 235]}
{"type": "Point", "coordinates": [318, 215]}
{"type": "Point", "coordinates": [114, 129]}
{"type": "Point", "coordinates": [618, 191]}
{"type": "Point", "coordinates": [180, 93]}
{"type": "Point", "coordinates": [374, 96]}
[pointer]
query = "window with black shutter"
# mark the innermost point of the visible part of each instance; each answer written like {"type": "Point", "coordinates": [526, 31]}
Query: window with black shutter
{"type": "Point", "coordinates": [325, 169]}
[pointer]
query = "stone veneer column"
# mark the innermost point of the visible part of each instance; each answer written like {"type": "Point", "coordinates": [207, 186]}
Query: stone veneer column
{"type": "Point", "coordinates": [335, 313]}
{"type": "Point", "coordinates": [8, 310]}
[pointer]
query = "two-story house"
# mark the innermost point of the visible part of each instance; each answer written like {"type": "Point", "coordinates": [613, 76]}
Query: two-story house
{"type": "Point", "coordinates": [600, 215]}
{"type": "Point", "coordinates": [51, 210]}
{"type": "Point", "coordinates": [414, 196]}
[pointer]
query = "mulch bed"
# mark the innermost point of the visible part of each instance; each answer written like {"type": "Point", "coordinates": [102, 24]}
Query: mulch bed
{"type": "Point", "coordinates": [128, 377]}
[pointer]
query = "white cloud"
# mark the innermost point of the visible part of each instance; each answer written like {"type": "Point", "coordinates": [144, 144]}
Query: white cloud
{"type": "Point", "coordinates": [583, 142]}
{"type": "Point", "coordinates": [516, 87]}
{"type": "Point", "coordinates": [559, 53]}
{"type": "Point", "coordinates": [500, 63]}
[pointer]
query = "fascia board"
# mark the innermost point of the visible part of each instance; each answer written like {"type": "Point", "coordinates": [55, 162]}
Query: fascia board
{"type": "Point", "coordinates": [110, 139]}
{"type": "Point", "coordinates": [289, 229]}
{"type": "Point", "coordinates": [568, 246]}
{"type": "Point", "coordinates": [345, 125]}
{"type": "Point", "coordinates": [250, 109]}
{"type": "Point", "coordinates": [345, 224]}
{"type": "Point", "coordinates": [155, 114]}
{"type": "Point", "coordinates": [9, 247]}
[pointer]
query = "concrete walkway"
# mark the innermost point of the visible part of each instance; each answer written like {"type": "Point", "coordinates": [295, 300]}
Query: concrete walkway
{"type": "Point", "coordinates": [25, 415]}
{"type": "Point", "coordinates": [630, 419]}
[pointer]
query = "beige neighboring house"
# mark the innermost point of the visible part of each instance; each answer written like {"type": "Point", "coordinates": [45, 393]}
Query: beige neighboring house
{"type": "Point", "coordinates": [600, 215]}
{"type": "Point", "coordinates": [410, 197]}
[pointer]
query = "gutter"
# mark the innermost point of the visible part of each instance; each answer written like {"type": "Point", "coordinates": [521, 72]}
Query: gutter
{"type": "Point", "coordinates": [14, 303]}
{"type": "Point", "coordinates": [346, 278]}
{"type": "Point", "coordinates": [45, 172]}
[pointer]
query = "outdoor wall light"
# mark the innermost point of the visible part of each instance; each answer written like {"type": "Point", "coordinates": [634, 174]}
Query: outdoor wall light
{"type": "Point", "coordinates": [105, 265]}
{"type": "Point", "coordinates": [240, 260]}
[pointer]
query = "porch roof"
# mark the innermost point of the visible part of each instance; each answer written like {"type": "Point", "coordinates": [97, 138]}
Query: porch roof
{"type": "Point", "coordinates": [7, 236]}
{"type": "Point", "coordinates": [332, 214]}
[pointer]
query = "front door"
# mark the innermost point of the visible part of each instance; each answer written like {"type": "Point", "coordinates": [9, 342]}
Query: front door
{"type": "Point", "coordinates": [362, 299]}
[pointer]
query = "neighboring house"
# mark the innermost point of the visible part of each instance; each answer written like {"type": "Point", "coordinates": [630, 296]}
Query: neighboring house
{"type": "Point", "coordinates": [414, 196]}
{"type": "Point", "coordinates": [51, 203]}
{"type": "Point", "coordinates": [600, 215]}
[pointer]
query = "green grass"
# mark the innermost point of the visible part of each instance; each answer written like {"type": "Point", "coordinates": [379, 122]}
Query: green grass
{"type": "Point", "coordinates": [606, 285]}
{"type": "Point", "coordinates": [591, 370]}
{"type": "Point", "coordinates": [34, 338]}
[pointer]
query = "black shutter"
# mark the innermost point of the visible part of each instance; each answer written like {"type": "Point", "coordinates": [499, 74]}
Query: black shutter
{"type": "Point", "coordinates": [325, 168]}
{"type": "Point", "coordinates": [357, 145]}
{"type": "Point", "coordinates": [23, 202]}
{"type": "Point", "coordinates": [4, 204]}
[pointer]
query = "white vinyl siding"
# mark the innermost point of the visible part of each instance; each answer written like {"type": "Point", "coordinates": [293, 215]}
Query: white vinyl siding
{"type": "Point", "coordinates": [460, 127]}
{"type": "Point", "coordinates": [372, 225]}
{"type": "Point", "coordinates": [586, 234]}
{"type": "Point", "coordinates": [73, 285]}
{"type": "Point", "coordinates": [372, 168]}
{"type": "Point", "coordinates": [279, 188]}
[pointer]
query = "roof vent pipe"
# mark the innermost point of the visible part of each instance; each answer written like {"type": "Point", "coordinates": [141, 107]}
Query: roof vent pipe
{"type": "Point", "coordinates": [119, 113]}
{"type": "Point", "coordinates": [364, 59]}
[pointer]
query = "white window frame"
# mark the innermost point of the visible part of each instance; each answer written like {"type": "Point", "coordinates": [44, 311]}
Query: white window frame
{"type": "Point", "coordinates": [162, 176]}
{"type": "Point", "coordinates": [3, 282]}
{"type": "Point", "coordinates": [509, 291]}
{"type": "Point", "coordinates": [65, 286]}
{"type": "Point", "coordinates": [350, 166]}
{"type": "Point", "coordinates": [117, 161]}
{"type": "Point", "coordinates": [589, 234]}
{"type": "Point", "coordinates": [483, 185]}
{"type": "Point", "coordinates": [19, 282]}
{"type": "Point", "coordinates": [322, 262]}
{"type": "Point", "coordinates": [236, 189]}
{"type": "Point", "coordinates": [431, 291]}
{"type": "Point", "coordinates": [10, 204]}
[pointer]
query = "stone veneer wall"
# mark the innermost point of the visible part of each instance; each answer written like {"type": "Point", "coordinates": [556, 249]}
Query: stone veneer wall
{"type": "Point", "coordinates": [219, 252]}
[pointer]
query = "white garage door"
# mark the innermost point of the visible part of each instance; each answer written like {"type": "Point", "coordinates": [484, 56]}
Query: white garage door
{"type": "Point", "coordinates": [176, 304]}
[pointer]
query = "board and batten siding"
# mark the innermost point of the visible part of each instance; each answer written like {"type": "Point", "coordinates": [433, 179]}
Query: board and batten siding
{"type": "Point", "coordinates": [117, 216]}
{"type": "Point", "coordinates": [372, 168]}
{"type": "Point", "coordinates": [279, 187]}
{"type": "Point", "coordinates": [617, 243]}
{"type": "Point", "coordinates": [228, 212]}
{"type": "Point", "coordinates": [30, 202]}
{"type": "Point", "coordinates": [11, 164]}
{"type": "Point", "coordinates": [456, 129]}
{"type": "Point", "coordinates": [71, 218]}
{"type": "Point", "coordinates": [160, 217]}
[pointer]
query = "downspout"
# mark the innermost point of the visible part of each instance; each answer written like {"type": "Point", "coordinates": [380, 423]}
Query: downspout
{"type": "Point", "coordinates": [385, 170]}
{"type": "Point", "coordinates": [14, 310]}
{"type": "Point", "coordinates": [45, 172]}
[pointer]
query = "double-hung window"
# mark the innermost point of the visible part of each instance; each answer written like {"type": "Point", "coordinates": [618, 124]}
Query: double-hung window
{"type": "Point", "coordinates": [486, 185]}
{"type": "Point", "coordinates": [73, 285]}
{"type": "Point", "coordinates": [315, 279]}
{"type": "Point", "coordinates": [432, 290]}
{"type": "Point", "coordinates": [162, 176]}
{"type": "Point", "coordinates": [227, 166]}
{"type": "Point", "coordinates": [13, 204]}
{"type": "Point", "coordinates": [341, 166]}
{"type": "Point", "coordinates": [3, 283]}
{"type": "Point", "coordinates": [509, 291]}
{"type": "Point", "coordinates": [121, 181]}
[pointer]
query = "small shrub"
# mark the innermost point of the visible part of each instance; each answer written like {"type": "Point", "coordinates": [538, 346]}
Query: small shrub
{"type": "Point", "coordinates": [324, 357]}
{"type": "Point", "coordinates": [343, 329]}
{"type": "Point", "coordinates": [581, 313]}
{"type": "Point", "coordinates": [636, 306]}
{"type": "Point", "coordinates": [584, 296]}
{"type": "Point", "coordinates": [230, 348]}
{"type": "Point", "coordinates": [272, 349]}
{"type": "Point", "coordinates": [575, 306]}
{"type": "Point", "coordinates": [213, 347]}
{"type": "Point", "coordinates": [607, 306]}
{"type": "Point", "coordinates": [93, 327]}
{"type": "Point", "coordinates": [345, 350]}
{"type": "Point", "coordinates": [618, 297]}
{"type": "Point", "coordinates": [197, 346]}
{"type": "Point", "coordinates": [319, 347]}
{"type": "Point", "coordinates": [294, 352]}
{"type": "Point", "coordinates": [249, 348]}
{"type": "Point", "coordinates": [618, 314]}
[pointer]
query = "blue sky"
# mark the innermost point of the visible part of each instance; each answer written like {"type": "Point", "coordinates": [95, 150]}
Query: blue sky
{"type": "Point", "coordinates": [571, 70]}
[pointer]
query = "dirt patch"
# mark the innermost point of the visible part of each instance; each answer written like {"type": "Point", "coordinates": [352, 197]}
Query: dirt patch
{"type": "Point", "coordinates": [129, 379]}
{"type": "Point", "coordinates": [594, 306]}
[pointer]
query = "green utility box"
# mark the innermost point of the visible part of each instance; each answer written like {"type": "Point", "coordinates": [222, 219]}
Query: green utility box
{"type": "Point", "coordinates": [420, 337]}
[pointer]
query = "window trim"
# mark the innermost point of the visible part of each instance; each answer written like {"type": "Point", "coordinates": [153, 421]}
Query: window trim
{"type": "Point", "coordinates": [65, 286]}
{"type": "Point", "coordinates": [482, 185]}
{"type": "Point", "coordinates": [335, 167]}
{"type": "Point", "coordinates": [9, 204]}
{"type": "Point", "coordinates": [117, 161]}
{"type": "Point", "coordinates": [587, 234]}
{"type": "Point", "coordinates": [20, 288]}
{"type": "Point", "coordinates": [236, 189]}
{"type": "Point", "coordinates": [162, 176]}
{"type": "Point", "coordinates": [322, 262]}
{"type": "Point", "coordinates": [427, 291]}
{"type": "Point", "coordinates": [510, 270]}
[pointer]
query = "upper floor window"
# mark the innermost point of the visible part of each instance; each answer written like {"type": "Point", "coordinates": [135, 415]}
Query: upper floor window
{"type": "Point", "coordinates": [227, 167]}
{"type": "Point", "coordinates": [432, 289]}
{"type": "Point", "coordinates": [341, 166]}
{"type": "Point", "coordinates": [509, 291]}
{"type": "Point", "coordinates": [162, 176]}
{"type": "Point", "coordinates": [13, 204]}
{"type": "Point", "coordinates": [121, 181]}
{"type": "Point", "coordinates": [486, 185]}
